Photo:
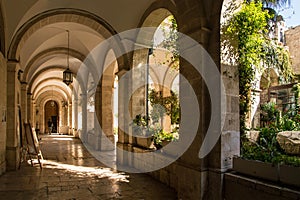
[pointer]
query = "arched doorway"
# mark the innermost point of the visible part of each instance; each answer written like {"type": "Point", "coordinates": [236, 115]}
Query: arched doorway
{"type": "Point", "coordinates": [51, 116]}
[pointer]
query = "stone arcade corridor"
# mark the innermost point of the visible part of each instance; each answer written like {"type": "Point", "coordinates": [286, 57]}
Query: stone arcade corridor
{"type": "Point", "coordinates": [70, 172]}
{"type": "Point", "coordinates": [108, 50]}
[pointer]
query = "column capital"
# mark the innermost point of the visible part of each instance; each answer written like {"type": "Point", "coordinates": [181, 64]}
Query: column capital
{"type": "Point", "coordinates": [121, 72]}
{"type": "Point", "coordinates": [12, 61]}
{"type": "Point", "coordinates": [12, 65]}
{"type": "Point", "coordinates": [24, 86]}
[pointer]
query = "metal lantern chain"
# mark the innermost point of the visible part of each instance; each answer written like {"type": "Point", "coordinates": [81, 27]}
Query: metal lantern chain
{"type": "Point", "coordinates": [67, 74]}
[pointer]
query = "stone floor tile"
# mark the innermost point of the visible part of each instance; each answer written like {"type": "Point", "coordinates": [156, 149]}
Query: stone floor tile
{"type": "Point", "coordinates": [70, 172]}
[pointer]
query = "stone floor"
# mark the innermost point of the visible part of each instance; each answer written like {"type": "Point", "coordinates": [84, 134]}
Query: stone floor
{"type": "Point", "coordinates": [70, 172]}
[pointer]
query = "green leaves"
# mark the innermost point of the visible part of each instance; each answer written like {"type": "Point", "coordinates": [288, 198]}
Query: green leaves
{"type": "Point", "coordinates": [245, 41]}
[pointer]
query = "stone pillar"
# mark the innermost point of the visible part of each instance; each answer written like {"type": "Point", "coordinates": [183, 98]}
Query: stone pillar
{"type": "Point", "coordinates": [30, 108]}
{"type": "Point", "coordinates": [84, 117]}
{"type": "Point", "coordinates": [103, 126]}
{"type": "Point", "coordinates": [75, 116]}
{"type": "Point", "coordinates": [107, 133]}
{"type": "Point", "coordinates": [13, 121]}
{"type": "Point", "coordinates": [3, 113]}
{"type": "Point", "coordinates": [33, 114]}
{"type": "Point", "coordinates": [70, 117]}
{"type": "Point", "coordinates": [24, 100]}
{"type": "Point", "coordinates": [98, 118]}
{"type": "Point", "coordinates": [37, 117]}
{"type": "Point", "coordinates": [138, 98]}
{"type": "Point", "coordinates": [123, 144]}
{"type": "Point", "coordinates": [24, 108]}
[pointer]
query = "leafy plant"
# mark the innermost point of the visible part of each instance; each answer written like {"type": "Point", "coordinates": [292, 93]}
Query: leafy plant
{"type": "Point", "coordinates": [267, 148]}
{"type": "Point", "coordinates": [164, 105]}
{"type": "Point", "coordinates": [269, 114]}
{"type": "Point", "coordinates": [169, 29]}
{"type": "Point", "coordinates": [245, 41]}
{"type": "Point", "coordinates": [139, 125]}
{"type": "Point", "coordinates": [140, 120]}
{"type": "Point", "coordinates": [162, 135]}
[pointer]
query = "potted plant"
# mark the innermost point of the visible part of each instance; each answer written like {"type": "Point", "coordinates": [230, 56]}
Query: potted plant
{"type": "Point", "coordinates": [142, 134]}
{"type": "Point", "coordinates": [162, 138]}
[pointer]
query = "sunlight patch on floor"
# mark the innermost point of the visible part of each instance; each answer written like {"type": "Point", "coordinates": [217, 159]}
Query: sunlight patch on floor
{"type": "Point", "coordinates": [83, 171]}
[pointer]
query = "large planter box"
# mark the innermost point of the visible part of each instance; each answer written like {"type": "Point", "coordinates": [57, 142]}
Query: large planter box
{"type": "Point", "coordinates": [290, 175]}
{"type": "Point", "coordinates": [274, 172]}
{"type": "Point", "coordinates": [255, 168]}
{"type": "Point", "coordinates": [145, 142]}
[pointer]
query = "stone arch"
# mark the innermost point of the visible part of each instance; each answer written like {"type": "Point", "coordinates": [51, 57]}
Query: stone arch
{"type": "Point", "coordinates": [35, 92]}
{"type": "Point", "coordinates": [152, 17]}
{"type": "Point", "coordinates": [2, 33]}
{"type": "Point", "coordinates": [103, 98]}
{"type": "Point", "coordinates": [66, 95]}
{"type": "Point", "coordinates": [56, 91]}
{"type": "Point", "coordinates": [45, 70]}
{"type": "Point", "coordinates": [35, 62]}
{"type": "Point", "coordinates": [82, 17]}
{"type": "Point", "coordinates": [52, 112]}
{"type": "Point", "coordinates": [269, 77]}
{"type": "Point", "coordinates": [54, 16]}
{"type": "Point", "coordinates": [157, 12]}
{"type": "Point", "coordinates": [33, 65]}
{"type": "Point", "coordinates": [41, 102]}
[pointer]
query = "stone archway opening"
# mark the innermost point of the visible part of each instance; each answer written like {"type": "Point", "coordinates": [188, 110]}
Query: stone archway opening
{"type": "Point", "coordinates": [164, 70]}
{"type": "Point", "coordinates": [51, 117]}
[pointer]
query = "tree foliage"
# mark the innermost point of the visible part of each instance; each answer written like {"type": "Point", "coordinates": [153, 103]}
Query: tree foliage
{"type": "Point", "coordinates": [246, 42]}
{"type": "Point", "coordinates": [164, 105]}
{"type": "Point", "coordinates": [169, 30]}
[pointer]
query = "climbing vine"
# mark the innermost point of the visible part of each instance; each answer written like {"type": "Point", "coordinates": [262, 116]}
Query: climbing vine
{"type": "Point", "coordinates": [164, 105]}
{"type": "Point", "coordinates": [169, 30]}
{"type": "Point", "coordinates": [245, 41]}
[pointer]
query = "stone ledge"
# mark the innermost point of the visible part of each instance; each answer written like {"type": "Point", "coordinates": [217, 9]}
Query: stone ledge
{"type": "Point", "coordinates": [252, 187]}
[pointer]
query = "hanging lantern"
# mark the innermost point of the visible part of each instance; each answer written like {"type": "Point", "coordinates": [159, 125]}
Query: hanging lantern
{"type": "Point", "coordinates": [67, 74]}
{"type": "Point", "coordinates": [52, 102]}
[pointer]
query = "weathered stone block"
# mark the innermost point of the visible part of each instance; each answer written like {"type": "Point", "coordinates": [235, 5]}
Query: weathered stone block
{"type": "Point", "coordinates": [252, 136]}
{"type": "Point", "coordinates": [289, 141]}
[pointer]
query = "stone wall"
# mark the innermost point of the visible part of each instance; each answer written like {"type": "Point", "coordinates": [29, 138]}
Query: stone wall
{"type": "Point", "coordinates": [3, 113]}
{"type": "Point", "coordinates": [293, 42]}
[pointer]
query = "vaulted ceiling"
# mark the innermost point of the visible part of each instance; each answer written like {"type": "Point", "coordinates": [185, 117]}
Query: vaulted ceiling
{"type": "Point", "coordinates": [36, 35]}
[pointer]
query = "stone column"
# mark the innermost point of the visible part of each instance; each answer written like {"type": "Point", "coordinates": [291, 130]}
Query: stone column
{"type": "Point", "coordinates": [38, 119]}
{"type": "Point", "coordinates": [24, 100]}
{"type": "Point", "coordinates": [138, 98]}
{"type": "Point", "coordinates": [33, 114]}
{"type": "Point", "coordinates": [30, 108]}
{"type": "Point", "coordinates": [13, 122]}
{"type": "Point", "coordinates": [107, 133]}
{"type": "Point", "coordinates": [3, 113]}
{"type": "Point", "coordinates": [70, 117]}
{"type": "Point", "coordinates": [84, 117]}
{"type": "Point", "coordinates": [103, 121]}
{"type": "Point", "coordinates": [75, 116]}
{"type": "Point", "coordinates": [98, 118]}
{"type": "Point", "coordinates": [24, 108]}
{"type": "Point", "coordinates": [123, 143]}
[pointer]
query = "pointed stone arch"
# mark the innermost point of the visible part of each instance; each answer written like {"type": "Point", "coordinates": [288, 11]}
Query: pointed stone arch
{"type": "Point", "coordinates": [2, 33]}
